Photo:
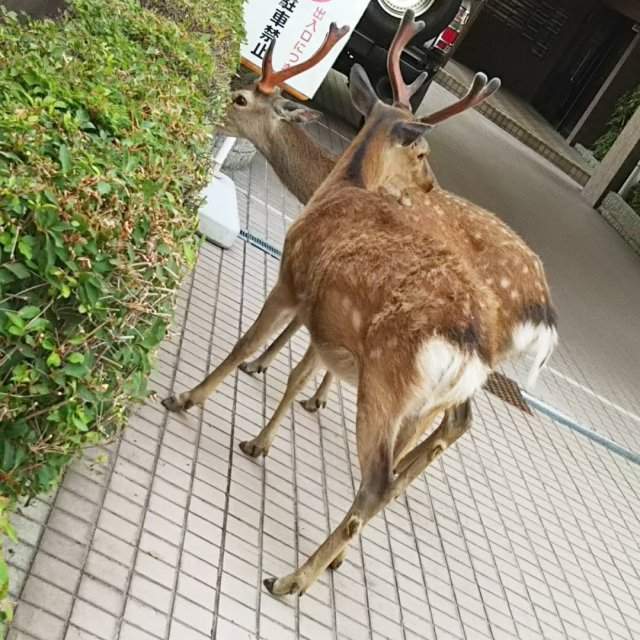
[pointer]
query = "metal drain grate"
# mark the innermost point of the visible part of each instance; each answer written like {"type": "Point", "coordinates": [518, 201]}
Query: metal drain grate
{"type": "Point", "coordinates": [507, 390]}
{"type": "Point", "coordinates": [261, 244]}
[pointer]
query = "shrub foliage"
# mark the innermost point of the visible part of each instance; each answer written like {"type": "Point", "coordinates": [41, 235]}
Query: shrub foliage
{"type": "Point", "coordinates": [105, 132]}
{"type": "Point", "coordinates": [625, 108]}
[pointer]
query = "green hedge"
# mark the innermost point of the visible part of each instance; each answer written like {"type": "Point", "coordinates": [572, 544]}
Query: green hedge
{"type": "Point", "coordinates": [625, 108]}
{"type": "Point", "coordinates": [105, 129]}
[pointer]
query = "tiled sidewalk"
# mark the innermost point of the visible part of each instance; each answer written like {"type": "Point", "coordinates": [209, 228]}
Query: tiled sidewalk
{"type": "Point", "coordinates": [522, 530]}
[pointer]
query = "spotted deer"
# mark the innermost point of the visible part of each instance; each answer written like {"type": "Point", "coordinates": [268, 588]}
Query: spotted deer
{"type": "Point", "coordinates": [260, 113]}
{"type": "Point", "coordinates": [399, 302]}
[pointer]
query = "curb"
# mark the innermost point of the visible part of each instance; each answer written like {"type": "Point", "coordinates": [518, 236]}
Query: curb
{"type": "Point", "coordinates": [615, 210]}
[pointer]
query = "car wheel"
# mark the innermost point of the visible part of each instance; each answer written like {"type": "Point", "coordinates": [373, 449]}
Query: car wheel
{"type": "Point", "coordinates": [382, 17]}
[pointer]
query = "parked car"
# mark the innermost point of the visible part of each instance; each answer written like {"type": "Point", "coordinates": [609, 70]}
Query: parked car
{"type": "Point", "coordinates": [428, 51]}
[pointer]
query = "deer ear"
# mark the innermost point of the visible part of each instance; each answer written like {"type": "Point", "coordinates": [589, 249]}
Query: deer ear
{"type": "Point", "coordinates": [294, 111]}
{"type": "Point", "coordinates": [405, 133]}
{"type": "Point", "coordinates": [363, 95]}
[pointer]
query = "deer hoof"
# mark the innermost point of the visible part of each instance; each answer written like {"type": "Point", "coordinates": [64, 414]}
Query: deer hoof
{"type": "Point", "coordinates": [173, 403]}
{"type": "Point", "coordinates": [251, 368]}
{"type": "Point", "coordinates": [253, 450]}
{"type": "Point", "coordinates": [282, 590]}
{"type": "Point", "coordinates": [312, 405]}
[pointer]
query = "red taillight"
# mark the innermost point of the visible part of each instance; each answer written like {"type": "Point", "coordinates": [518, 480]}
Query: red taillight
{"type": "Point", "coordinates": [449, 36]}
{"type": "Point", "coordinates": [447, 39]}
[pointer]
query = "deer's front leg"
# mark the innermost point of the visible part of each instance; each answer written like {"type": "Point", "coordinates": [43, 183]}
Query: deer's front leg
{"type": "Point", "coordinates": [260, 365]}
{"type": "Point", "coordinates": [319, 399]}
{"type": "Point", "coordinates": [260, 445]}
{"type": "Point", "coordinates": [277, 310]}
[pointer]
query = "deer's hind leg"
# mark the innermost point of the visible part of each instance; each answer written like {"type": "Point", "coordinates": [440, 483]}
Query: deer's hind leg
{"type": "Point", "coordinates": [277, 310]}
{"type": "Point", "coordinates": [261, 364]}
{"type": "Point", "coordinates": [376, 424]}
{"type": "Point", "coordinates": [260, 445]}
{"type": "Point", "coordinates": [455, 422]}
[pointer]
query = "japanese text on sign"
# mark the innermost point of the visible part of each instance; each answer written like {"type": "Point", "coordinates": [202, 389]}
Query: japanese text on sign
{"type": "Point", "coordinates": [299, 27]}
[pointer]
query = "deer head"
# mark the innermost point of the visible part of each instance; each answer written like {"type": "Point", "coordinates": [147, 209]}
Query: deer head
{"type": "Point", "coordinates": [404, 163]}
{"type": "Point", "coordinates": [258, 106]}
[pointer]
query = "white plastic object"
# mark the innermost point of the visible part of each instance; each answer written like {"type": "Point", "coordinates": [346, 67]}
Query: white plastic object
{"type": "Point", "coordinates": [219, 220]}
{"type": "Point", "coordinates": [222, 154]}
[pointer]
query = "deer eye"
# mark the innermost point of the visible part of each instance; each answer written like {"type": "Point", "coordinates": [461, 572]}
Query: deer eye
{"type": "Point", "coordinates": [240, 101]}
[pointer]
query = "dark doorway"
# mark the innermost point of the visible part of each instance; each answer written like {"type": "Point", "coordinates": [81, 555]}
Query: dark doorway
{"type": "Point", "coordinates": [521, 41]}
{"type": "Point", "coordinates": [579, 73]}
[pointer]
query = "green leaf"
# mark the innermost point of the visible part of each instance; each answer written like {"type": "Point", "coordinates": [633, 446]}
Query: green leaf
{"type": "Point", "coordinates": [29, 312]}
{"type": "Point", "coordinates": [37, 325]}
{"type": "Point", "coordinates": [76, 370]}
{"type": "Point", "coordinates": [18, 269]}
{"type": "Point", "coordinates": [76, 358]}
{"type": "Point", "coordinates": [54, 360]}
{"type": "Point", "coordinates": [65, 158]}
{"type": "Point", "coordinates": [4, 573]}
{"type": "Point", "coordinates": [25, 246]}
{"type": "Point", "coordinates": [155, 334]}
{"type": "Point", "coordinates": [104, 188]}
{"type": "Point", "coordinates": [8, 455]}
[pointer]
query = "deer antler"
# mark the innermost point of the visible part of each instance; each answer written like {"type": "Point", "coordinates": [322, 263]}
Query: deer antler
{"type": "Point", "coordinates": [271, 79]}
{"type": "Point", "coordinates": [479, 91]}
{"type": "Point", "coordinates": [402, 92]}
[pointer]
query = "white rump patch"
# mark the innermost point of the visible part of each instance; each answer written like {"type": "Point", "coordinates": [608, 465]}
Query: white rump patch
{"type": "Point", "coordinates": [449, 375]}
{"type": "Point", "coordinates": [538, 341]}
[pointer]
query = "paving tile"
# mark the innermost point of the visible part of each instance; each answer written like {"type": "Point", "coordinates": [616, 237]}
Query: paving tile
{"type": "Point", "coordinates": [197, 617]}
{"type": "Point", "coordinates": [55, 571]}
{"type": "Point", "coordinates": [98, 592]}
{"type": "Point", "coordinates": [146, 617]}
{"type": "Point", "coordinates": [47, 596]}
{"type": "Point", "coordinates": [107, 570]}
{"type": "Point", "coordinates": [90, 618]}
{"type": "Point", "coordinates": [131, 632]}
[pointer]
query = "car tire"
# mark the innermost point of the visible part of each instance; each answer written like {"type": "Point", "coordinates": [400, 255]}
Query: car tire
{"type": "Point", "coordinates": [384, 25]}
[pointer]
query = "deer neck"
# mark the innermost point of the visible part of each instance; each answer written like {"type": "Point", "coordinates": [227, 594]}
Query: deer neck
{"type": "Point", "coordinates": [365, 165]}
{"type": "Point", "coordinates": [298, 160]}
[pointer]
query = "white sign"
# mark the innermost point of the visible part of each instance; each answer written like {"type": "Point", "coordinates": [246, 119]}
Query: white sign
{"type": "Point", "coordinates": [299, 28]}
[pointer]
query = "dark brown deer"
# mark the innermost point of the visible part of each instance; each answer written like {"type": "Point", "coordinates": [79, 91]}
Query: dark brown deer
{"type": "Point", "coordinates": [399, 302]}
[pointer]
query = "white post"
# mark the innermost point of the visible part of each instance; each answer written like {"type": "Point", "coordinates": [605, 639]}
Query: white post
{"type": "Point", "coordinates": [219, 220]}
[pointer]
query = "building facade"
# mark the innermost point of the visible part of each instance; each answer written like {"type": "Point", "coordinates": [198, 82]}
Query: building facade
{"type": "Point", "coordinates": [569, 59]}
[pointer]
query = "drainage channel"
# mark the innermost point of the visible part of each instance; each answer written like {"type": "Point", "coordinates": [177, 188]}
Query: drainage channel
{"type": "Point", "coordinates": [261, 244]}
{"type": "Point", "coordinates": [569, 423]}
{"type": "Point", "coordinates": [544, 408]}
